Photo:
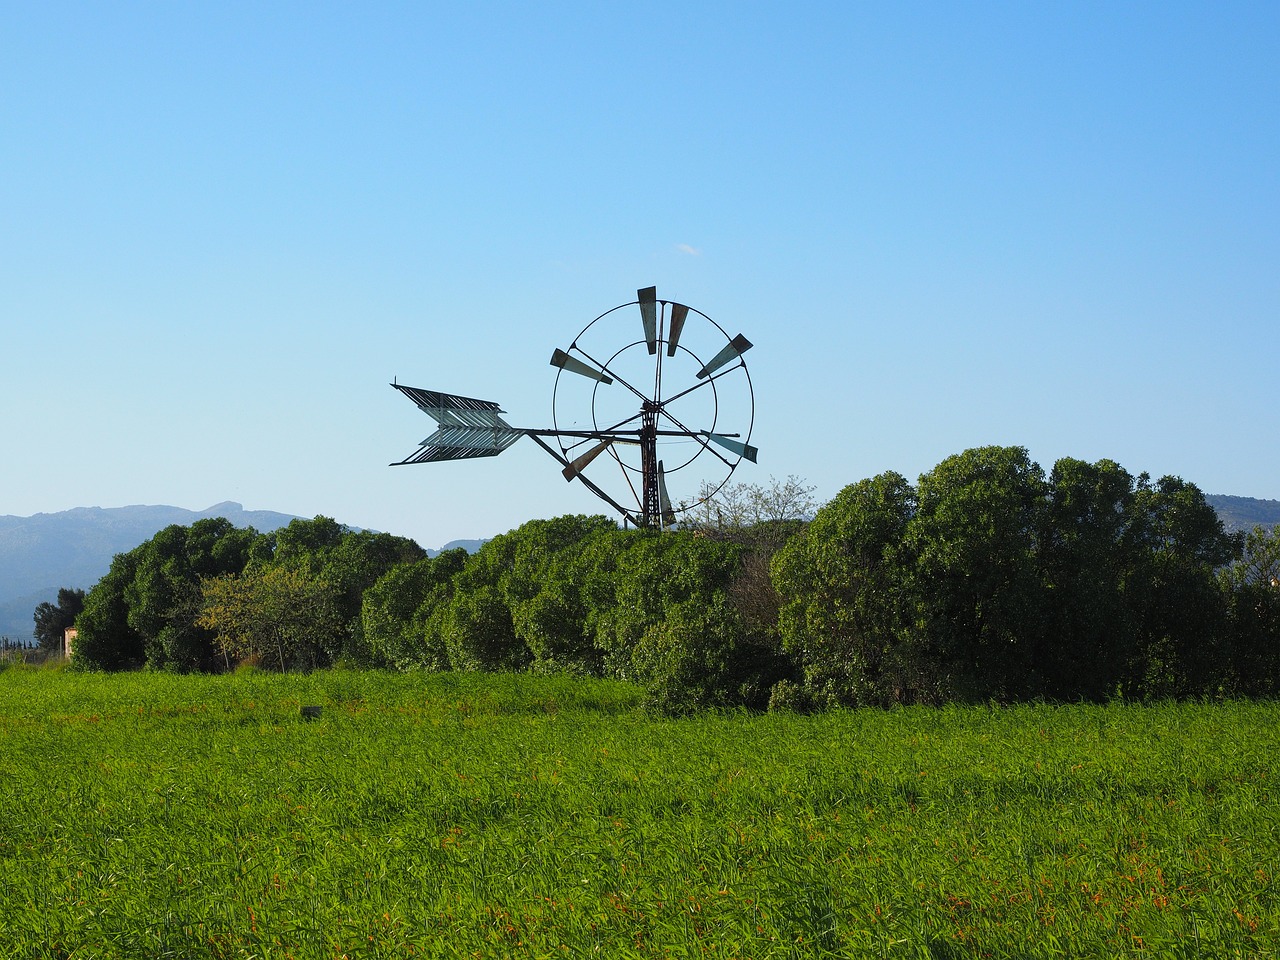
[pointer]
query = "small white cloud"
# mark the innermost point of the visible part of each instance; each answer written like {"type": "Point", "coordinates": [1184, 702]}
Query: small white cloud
{"type": "Point", "coordinates": [691, 251]}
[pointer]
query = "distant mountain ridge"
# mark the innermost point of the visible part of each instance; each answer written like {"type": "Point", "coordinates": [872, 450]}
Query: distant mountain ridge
{"type": "Point", "coordinates": [1244, 513]}
{"type": "Point", "coordinates": [67, 549]}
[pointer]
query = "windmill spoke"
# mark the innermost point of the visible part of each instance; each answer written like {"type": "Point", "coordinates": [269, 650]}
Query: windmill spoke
{"type": "Point", "coordinates": [620, 424]}
{"type": "Point", "coordinates": [697, 386]}
{"type": "Point", "coordinates": [597, 434]}
{"type": "Point", "coordinates": [716, 453]}
{"type": "Point", "coordinates": [626, 475]}
{"type": "Point", "coordinates": [684, 428]}
{"type": "Point", "coordinates": [598, 491]}
{"type": "Point", "coordinates": [604, 368]}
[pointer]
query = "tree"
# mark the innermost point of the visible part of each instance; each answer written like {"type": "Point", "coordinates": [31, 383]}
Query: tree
{"type": "Point", "coordinates": [736, 506]}
{"type": "Point", "coordinates": [842, 584]}
{"type": "Point", "coordinates": [399, 610]}
{"type": "Point", "coordinates": [106, 640]}
{"type": "Point", "coordinates": [692, 659]}
{"type": "Point", "coordinates": [477, 629]}
{"type": "Point", "coordinates": [1252, 589]}
{"type": "Point", "coordinates": [1090, 547]}
{"type": "Point", "coordinates": [350, 561]}
{"type": "Point", "coordinates": [671, 626]}
{"type": "Point", "coordinates": [52, 621]}
{"type": "Point", "coordinates": [276, 616]}
{"type": "Point", "coordinates": [550, 560]}
{"type": "Point", "coordinates": [479, 634]}
{"type": "Point", "coordinates": [1179, 610]}
{"type": "Point", "coordinates": [164, 598]}
{"type": "Point", "coordinates": [1259, 562]}
{"type": "Point", "coordinates": [760, 518]}
{"type": "Point", "coordinates": [302, 540]}
{"type": "Point", "coordinates": [976, 587]}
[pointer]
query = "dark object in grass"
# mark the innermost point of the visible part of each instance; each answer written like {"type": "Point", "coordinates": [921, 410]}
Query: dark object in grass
{"type": "Point", "coordinates": [310, 713]}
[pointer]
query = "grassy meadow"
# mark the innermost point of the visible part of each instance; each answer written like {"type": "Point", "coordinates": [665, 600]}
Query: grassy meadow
{"type": "Point", "coordinates": [448, 815]}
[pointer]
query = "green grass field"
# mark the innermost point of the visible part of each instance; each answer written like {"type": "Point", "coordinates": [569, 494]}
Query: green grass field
{"type": "Point", "coordinates": [149, 815]}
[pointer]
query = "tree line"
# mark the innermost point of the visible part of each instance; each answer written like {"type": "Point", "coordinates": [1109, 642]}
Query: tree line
{"type": "Point", "coordinates": [985, 580]}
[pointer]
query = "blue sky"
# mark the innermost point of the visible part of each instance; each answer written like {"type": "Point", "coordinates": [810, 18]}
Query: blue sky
{"type": "Point", "coordinates": [226, 227]}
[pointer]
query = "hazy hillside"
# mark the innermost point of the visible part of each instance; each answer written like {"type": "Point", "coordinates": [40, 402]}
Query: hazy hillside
{"type": "Point", "coordinates": [471, 546]}
{"type": "Point", "coordinates": [1245, 513]}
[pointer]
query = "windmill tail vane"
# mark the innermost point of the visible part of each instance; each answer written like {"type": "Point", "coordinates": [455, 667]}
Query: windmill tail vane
{"type": "Point", "coordinates": [467, 427]}
{"type": "Point", "coordinates": [706, 367]}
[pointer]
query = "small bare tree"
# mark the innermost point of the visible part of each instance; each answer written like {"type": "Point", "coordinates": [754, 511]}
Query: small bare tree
{"type": "Point", "coordinates": [760, 517]}
{"type": "Point", "coordinates": [737, 506]}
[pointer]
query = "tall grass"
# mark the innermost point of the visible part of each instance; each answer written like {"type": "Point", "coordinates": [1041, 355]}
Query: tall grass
{"type": "Point", "coordinates": [489, 815]}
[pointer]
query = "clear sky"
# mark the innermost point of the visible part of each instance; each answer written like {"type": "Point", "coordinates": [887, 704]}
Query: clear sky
{"type": "Point", "coordinates": [225, 227]}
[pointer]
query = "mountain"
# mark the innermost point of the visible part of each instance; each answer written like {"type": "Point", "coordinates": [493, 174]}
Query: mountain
{"type": "Point", "coordinates": [471, 546]}
{"type": "Point", "coordinates": [1245, 513]}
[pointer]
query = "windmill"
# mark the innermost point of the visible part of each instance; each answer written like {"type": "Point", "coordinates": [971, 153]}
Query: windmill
{"type": "Point", "coordinates": [636, 400]}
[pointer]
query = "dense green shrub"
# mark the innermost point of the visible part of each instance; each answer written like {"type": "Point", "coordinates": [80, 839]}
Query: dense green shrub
{"type": "Point", "coordinates": [844, 614]}
{"type": "Point", "coordinates": [990, 581]}
{"type": "Point", "coordinates": [1252, 588]}
{"type": "Point", "coordinates": [400, 613]}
